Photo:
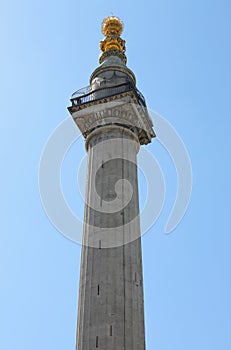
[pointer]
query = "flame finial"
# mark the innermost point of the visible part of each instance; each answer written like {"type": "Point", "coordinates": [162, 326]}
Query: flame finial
{"type": "Point", "coordinates": [112, 28]}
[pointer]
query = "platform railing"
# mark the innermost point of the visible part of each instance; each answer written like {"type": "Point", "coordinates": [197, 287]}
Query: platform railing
{"type": "Point", "coordinates": [104, 92]}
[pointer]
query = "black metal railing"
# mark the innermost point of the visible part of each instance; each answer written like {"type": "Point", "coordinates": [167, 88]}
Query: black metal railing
{"type": "Point", "coordinates": [83, 91]}
{"type": "Point", "coordinates": [104, 92]}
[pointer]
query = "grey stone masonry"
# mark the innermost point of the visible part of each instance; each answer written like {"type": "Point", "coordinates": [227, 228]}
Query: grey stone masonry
{"type": "Point", "coordinates": [114, 121]}
{"type": "Point", "coordinates": [111, 311]}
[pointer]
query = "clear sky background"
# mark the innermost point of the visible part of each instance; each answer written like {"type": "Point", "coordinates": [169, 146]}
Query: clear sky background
{"type": "Point", "coordinates": [180, 53]}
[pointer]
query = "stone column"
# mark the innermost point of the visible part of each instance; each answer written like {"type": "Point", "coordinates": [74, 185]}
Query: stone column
{"type": "Point", "coordinates": [111, 312]}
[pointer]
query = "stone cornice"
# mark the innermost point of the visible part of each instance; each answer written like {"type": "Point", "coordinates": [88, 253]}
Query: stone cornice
{"type": "Point", "coordinates": [123, 110]}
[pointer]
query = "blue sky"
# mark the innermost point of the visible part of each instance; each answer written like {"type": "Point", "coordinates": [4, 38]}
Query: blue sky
{"type": "Point", "coordinates": [180, 53]}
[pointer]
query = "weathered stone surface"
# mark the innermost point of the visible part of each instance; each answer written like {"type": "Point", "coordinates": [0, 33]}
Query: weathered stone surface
{"type": "Point", "coordinates": [111, 311]}
{"type": "Point", "coordinates": [122, 109]}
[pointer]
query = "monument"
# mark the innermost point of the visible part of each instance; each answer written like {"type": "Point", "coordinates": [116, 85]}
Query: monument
{"type": "Point", "coordinates": [112, 115]}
